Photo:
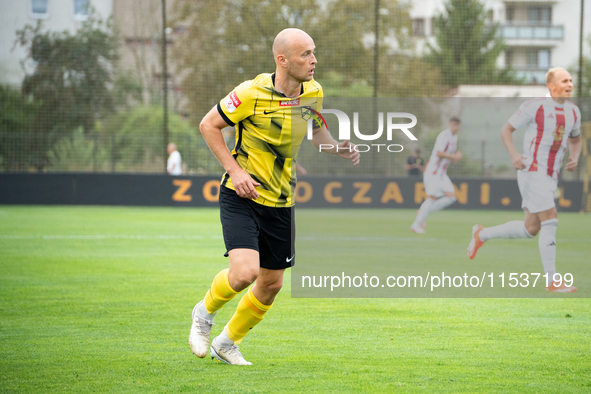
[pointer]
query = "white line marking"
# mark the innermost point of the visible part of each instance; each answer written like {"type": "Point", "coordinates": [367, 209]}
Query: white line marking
{"type": "Point", "coordinates": [363, 239]}
{"type": "Point", "coordinates": [203, 237]}
{"type": "Point", "coordinates": [197, 237]}
{"type": "Point", "coordinates": [109, 236]}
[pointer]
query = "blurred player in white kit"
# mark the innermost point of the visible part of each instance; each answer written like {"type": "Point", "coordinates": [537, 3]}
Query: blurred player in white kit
{"type": "Point", "coordinates": [438, 186]}
{"type": "Point", "coordinates": [551, 123]}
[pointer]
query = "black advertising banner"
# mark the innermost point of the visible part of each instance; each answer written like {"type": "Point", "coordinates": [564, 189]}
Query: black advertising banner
{"type": "Point", "coordinates": [310, 192]}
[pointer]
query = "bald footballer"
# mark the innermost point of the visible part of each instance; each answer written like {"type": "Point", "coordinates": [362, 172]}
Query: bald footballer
{"type": "Point", "coordinates": [256, 192]}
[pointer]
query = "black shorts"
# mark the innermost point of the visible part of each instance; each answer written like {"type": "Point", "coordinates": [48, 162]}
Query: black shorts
{"type": "Point", "coordinates": [268, 230]}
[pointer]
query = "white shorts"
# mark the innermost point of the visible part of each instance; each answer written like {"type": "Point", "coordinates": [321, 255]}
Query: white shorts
{"type": "Point", "coordinates": [437, 185]}
{"type": "Point", "coordinates": [537, 190]}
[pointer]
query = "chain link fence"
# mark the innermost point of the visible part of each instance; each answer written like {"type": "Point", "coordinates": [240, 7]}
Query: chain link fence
{"type": "Point", "coordinates": [93, 152]}
{"type": "Point", "coordinates": [92, 100]}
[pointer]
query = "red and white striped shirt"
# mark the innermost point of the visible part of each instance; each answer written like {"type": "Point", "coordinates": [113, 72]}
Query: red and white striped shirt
{"type": "Point", "coordinates": [548, 124]}
{"type": "Point", "coordinates": [446, 142]}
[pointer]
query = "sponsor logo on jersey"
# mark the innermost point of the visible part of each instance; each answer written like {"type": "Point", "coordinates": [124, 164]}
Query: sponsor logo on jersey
{"type": "Point", "coordinates": [289, 103]}
{"type": "Point", "coordinates": [558, 136]}
{"type": "Point", "coordinates": [232, 102]}
{"type": "Point", "coordinates": [551, 116]}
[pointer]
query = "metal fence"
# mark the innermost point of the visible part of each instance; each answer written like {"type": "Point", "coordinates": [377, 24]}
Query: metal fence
{"type": "Point", "coordinates": [82, 108]}
{"type": "Point", "coordinates": [93, 152]}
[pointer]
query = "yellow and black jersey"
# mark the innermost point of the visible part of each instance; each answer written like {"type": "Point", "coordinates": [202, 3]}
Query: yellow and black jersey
{"type": "Point", "coordinates": [269, 131]}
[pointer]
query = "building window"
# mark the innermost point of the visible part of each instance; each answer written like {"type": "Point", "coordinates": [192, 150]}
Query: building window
{"type": "Point", "coordinates": [39, 8]}
{"type": "Point", "coordinates": [418, 27]}
{"type": "Point", "coordinates": [539, 15]}
{"type": "Point", "coordinates": [532, 58]}
{"type": "Point", "coordinates": [81, 8]}
{"type": "Point", "coordinates": [544, 59]}
{"type": "Point", "coordinates": [538, 59]}
{"type": "Point", "coordinates": [510, 14]}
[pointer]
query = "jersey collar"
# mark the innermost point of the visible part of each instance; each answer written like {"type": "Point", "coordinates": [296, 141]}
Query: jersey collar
{"type": "Point", "coordinates": [555, 103]}
{"type": "Point", "coordinates": [273, 79]}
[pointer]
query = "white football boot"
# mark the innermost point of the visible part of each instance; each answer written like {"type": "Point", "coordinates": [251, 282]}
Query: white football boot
{"type": "Point", "coordinates": [200, 331]}
{"type": "Point", "coordinates": [227, 354]}
{"type": "Point", "coordinates": [417, 229]}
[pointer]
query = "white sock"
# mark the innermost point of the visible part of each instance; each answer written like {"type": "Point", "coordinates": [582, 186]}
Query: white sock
{"type": "Point", "coordinates": [513, 229]}
{"type": "Point", "coordinates": [203, 312]}
{"type": "Point", "coordinates": [423, 212]}
{"type": "Point", "coordinates": [223, 339]}
{"type": "Point", "coordinates": [547, 245]}
{"type": "Point", "coordinates": [442, 202]}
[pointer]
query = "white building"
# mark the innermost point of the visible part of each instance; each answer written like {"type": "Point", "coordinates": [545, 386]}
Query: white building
{"type": "Point", "coordinates": [56, 15]}
{"type": "Point", "coordinates": [539, 34]}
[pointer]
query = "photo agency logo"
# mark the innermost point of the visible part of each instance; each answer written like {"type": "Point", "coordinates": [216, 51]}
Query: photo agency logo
{"type": "Point", "coordinates": [315, 120]}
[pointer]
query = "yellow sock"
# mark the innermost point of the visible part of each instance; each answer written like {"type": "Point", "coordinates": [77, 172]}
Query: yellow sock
{"type": "Point", "coordinates": [249, 313]}
{"type": "Point", "coordinates": [219, 293]}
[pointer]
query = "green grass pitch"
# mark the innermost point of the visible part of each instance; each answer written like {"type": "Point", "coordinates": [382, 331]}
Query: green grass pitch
{"type": "Point", "coordinates": [96, 299]}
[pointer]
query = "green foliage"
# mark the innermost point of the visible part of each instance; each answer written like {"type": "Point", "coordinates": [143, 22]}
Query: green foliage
{"type": "Point", "coordinates": [72, 76]}
{"type": "Point", "coordinates": [138, 132]}
{"type": "Point", "coordinates": [17, 113]}
{"type": "Point", "coordinates": [127, 90]}
{"type": "Point", "coordinates": [467, 45]}
{"type": "Point", "coordinates": [137, 137]}
{"type": "Point", "coordinates": [16, 110]}
{"type": "Point", "coordinates": [410, 76]}
{"type": "Point", "coordinates": [584, 104]}
{"type": "Point", "coordinates": [75, 152]}
{"type": "Point", "coordinates": [141, 121]}
{"type": "Point", "coordinates": [222, 46]}
{"type": "Point", "coordinates": [334, 85]}
{"type": "Point", "coordinates": [586, 82]}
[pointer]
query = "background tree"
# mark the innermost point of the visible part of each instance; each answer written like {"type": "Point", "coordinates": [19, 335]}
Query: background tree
{"type": "Point", "coordinates": [222, 46]}
{"type": "Point", "coordinates": [584, 102]}
{"type": "Point", "coordinates": [467, 45]}
{"type": "Point", "coordinates": [139, 22]}
{"type": "Point", "coordinates": [71, 79]}
{"type": "Point", "coordinates": [17, 113]}
{"type": "Point", "coordinates": [134, 138]}
{"type": "Point", "coordinates": [586, 82]}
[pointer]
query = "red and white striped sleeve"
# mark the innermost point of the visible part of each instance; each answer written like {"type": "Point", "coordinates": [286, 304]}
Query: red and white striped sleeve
{"type": "Point", "coordinates": [576, 131]}
{"type": "Point", "coordinates": [525, 113]}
